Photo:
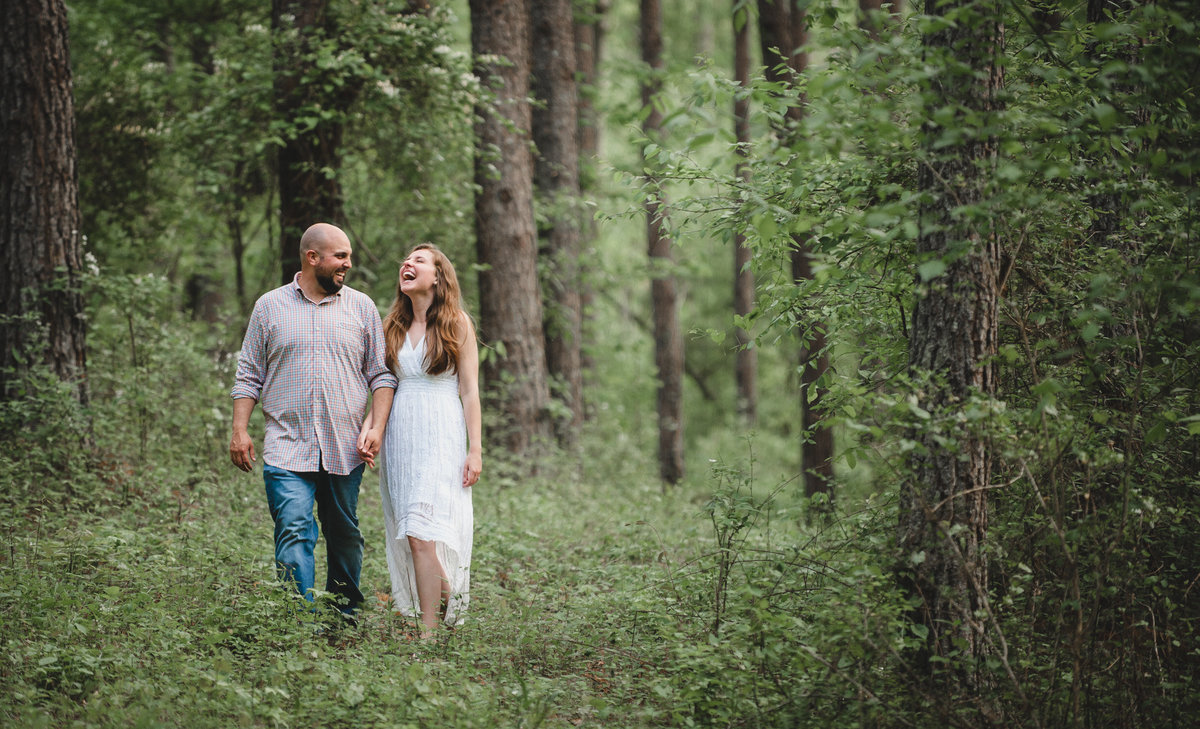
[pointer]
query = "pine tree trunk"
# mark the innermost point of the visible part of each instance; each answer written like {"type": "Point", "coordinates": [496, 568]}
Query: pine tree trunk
{"type": "Point", "coordinates": [668, 339]}
{"type": "Point", "coordinates": [589, 40]}
{"type": "Point", "coordinates": [505, 237]}
{"type": "Point", "coordinates": [39, 199]}
{"type": "Point", "coordinates": [943, 508]}
{"type": "Point", "coordinates": [746, 365]}
{"type": "Point", "coordinates": [783, 29]}
{"type": "Point", "coordinates": [556, 177]}
{"type": "Point", "coordinates": [309, 161]}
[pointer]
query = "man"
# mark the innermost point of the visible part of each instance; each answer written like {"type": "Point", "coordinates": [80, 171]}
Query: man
{"type": "Point", "coordinates": [313, 351]}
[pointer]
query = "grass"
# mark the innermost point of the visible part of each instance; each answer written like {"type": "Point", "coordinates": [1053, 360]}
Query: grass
{"type": "Point", "coordinates": [140, 592]}
{"type": "Point", "coordinates": [137, 583]}
{"type": "Point", "coordinates": [162, 612]}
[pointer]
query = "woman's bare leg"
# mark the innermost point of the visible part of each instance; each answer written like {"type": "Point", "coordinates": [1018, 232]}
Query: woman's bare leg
{"type": "Point", "coordinates": [433, 587]}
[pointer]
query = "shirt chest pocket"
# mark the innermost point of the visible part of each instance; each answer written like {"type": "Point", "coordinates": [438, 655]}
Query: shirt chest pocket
{"type": "Point", "coordinates": [345, 339]}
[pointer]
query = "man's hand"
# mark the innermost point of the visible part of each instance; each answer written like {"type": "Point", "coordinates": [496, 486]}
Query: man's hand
{"type": "Point", "coordinates": [241, 450]}
{"type": "Point", "coordinates": [370, 436]}
{"type": "Point", "coordinates": [370, 440]}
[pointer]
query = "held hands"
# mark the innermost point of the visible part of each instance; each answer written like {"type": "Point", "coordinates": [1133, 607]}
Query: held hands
{"type": "Point", "coordinates": [370, 440]}
{"type": "Point", "coordinates": [472, 468]}
{"type": "Point", "coordinates": [241, 450]}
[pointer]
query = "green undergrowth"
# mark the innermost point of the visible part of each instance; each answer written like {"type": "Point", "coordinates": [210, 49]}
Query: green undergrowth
{"type": "Point", "coordinates": [594, 602]}
{"type": "Point", "coordinates": [137, 585]}
{"type": "Point", "coordinates": [134, 615]}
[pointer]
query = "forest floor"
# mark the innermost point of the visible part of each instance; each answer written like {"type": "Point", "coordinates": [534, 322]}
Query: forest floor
{"type": "Point", "coordinates": [158, 608]}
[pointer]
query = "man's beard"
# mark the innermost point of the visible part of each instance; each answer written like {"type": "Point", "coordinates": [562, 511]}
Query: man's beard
{"type": "Point", "coordinates": [328, 284]}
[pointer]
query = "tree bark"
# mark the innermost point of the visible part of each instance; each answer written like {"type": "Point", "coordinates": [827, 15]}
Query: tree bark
{"type": "Point", "coordinates": [783, 29]}
{"type": "Point", "coordinates": [556, 177]}
{"type": "Point", "coordinates": [668, 339]}
{"type": "Point", "coordinates": [778, 48]}
{"type": "Point", "coordinates": [505, 237]}
{"type": "Point", "coordinates": [817, 452]}
{"type": "Point", "coordinates": [746, 364]}
{"type": "Point", "coordinates": [943, 506]}
{"type": "Point", "coordinates": [39, 199]}
{"type": "Point", "coordinates": [589, 41]}
{"type": "Point", "coordinates": [310, 159]}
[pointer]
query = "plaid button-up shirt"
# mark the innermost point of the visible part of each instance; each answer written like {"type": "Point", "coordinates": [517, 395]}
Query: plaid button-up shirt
{"type": "Point", "coordinates": [312, 367]}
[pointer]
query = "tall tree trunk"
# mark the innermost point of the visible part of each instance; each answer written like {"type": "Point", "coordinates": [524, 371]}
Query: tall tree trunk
{"type": "Point", "coordinates": [783, 29]}
{"type": "Point", "coordinates": [668, 339]}
{"type": "Point", "coordinates": [39, 198]}
{"type": "Point", "coordinates": [746, 365]}
{"type": "Point", "coordinates": [309, 161]}
{"type": "Point", "coordinates": [233, 220]}
{"type": "Point", "coordinates": [505, 237]}
{"type": "Point", "coordinates": [589, 40]}
{"type": "Point", "coordinates": [943, 507]}
{"type": "Point", "coordinates": [556, 176]}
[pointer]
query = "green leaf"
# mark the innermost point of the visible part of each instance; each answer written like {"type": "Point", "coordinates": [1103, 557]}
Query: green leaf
{"type": "Point", "coordinates": [919, 411]}
{"type": "Point", "coordinates": [930, 270]}
{"type": "Point", "coordinates": [701, 139]}
{"type": "Point", "coordinates": [1106, 116]}
{"type": "Point", "coordinates": [766, 227]}
{"type": "Point", "coordinates": [1008, 171]}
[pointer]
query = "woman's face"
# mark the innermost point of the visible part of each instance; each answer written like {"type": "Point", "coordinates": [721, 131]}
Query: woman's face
{"type": "Point", "coordinates": [418, 273]}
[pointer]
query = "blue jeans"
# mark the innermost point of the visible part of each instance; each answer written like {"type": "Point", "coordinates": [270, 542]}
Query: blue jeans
{"type": "Point", "coordinates": [290, 496]}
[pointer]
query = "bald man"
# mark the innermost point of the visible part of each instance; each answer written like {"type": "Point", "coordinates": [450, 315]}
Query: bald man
{"type": "Point", "coordinates": [313, 355]}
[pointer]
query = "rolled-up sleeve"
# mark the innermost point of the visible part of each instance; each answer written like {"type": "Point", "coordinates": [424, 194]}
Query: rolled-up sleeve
{"type": "Point", "coordinates": [375, 369]}
{"type": "Point", "coordinates": [252, 360]}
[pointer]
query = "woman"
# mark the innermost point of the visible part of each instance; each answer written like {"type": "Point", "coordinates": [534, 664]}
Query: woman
{"type": "Point", "coordinates": [432, 454]}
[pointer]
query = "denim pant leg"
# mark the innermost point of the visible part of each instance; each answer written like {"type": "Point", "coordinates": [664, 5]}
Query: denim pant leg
{"type": "Point", "coordinates": [337, 508]}
{"type": "Point", "coordinates": [290, 498]}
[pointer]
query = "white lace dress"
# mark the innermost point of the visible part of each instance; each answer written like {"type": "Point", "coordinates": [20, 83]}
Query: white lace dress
{"type": "Point", "coordinates": [420, 481]}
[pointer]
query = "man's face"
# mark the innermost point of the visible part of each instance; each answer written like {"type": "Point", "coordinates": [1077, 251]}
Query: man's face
{"type": "Point", "coordinates": [332, 263]}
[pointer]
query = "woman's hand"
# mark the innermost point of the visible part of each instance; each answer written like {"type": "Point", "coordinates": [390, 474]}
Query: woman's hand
{"type": "Point", "coordinates": [369, 442]}
{"type": "Point", "coordinates": [472, 468]}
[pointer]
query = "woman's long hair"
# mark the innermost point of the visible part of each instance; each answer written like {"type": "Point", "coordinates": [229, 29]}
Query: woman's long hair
{"type": "Point", "coordinates": [444, 327]}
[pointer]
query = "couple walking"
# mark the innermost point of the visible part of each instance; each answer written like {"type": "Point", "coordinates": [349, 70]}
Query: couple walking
{"type": "Point", "coordinates": [314, 353]}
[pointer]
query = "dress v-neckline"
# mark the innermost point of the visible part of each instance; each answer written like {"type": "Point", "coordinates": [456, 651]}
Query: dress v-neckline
{"type": "Point", "coordinates": [408, 342]}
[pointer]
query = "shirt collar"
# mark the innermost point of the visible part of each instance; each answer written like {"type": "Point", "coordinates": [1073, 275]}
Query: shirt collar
{"type": "Point", "coordinates": [300, 291]}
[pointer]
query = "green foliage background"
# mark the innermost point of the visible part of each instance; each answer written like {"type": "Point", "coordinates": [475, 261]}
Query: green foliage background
{"type": "Point", "coordinates": [135, 575]}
